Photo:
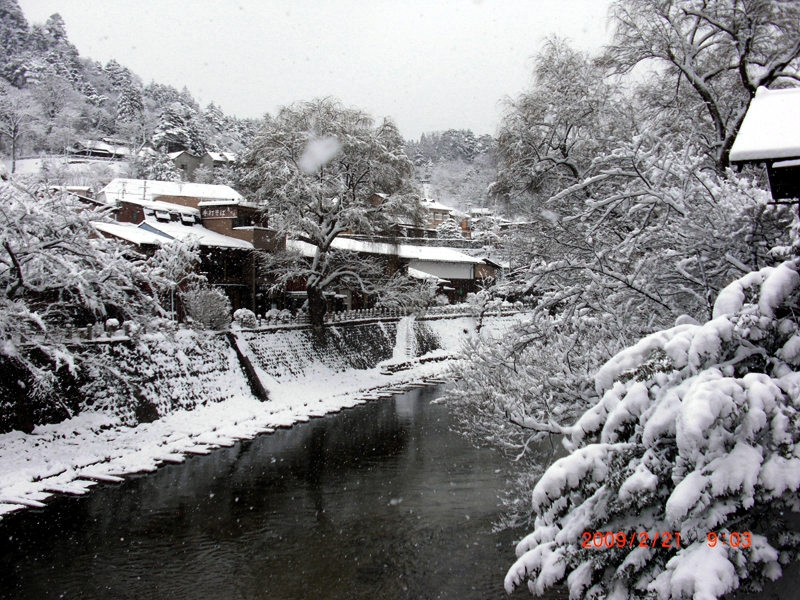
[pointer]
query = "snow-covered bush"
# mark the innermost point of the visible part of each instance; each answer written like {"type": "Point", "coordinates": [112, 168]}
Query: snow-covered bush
{"type": "Point", "coordinates": [440, 300]}
{"type": "Point", "coordinates": [695, 431]}
{"type": "Point", "coordinates": [111, 326]}
{"type": "Point", "coordinates": [449, 230]}
{"type": "Point", "coordinates": [245, 318]}
{"type": "Point", "coordinates": [481, 303]}
{"type": "Point", "coordinates": [209, 307]}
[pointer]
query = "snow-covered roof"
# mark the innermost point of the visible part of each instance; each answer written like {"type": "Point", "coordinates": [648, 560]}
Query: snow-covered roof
{"type": "Point", "coordinates": [417, 274]}
{"type": "Point", "coordinates": [174, 155]}
{"type": "Point", "coordinates": [222, 156]}
{"type": "Point", "coordinates": [227, 203]}
{"type": "Point", "coordinates": [97, 146]}
{"type": "Point", "coordinates": [130, 232]}
{"type": "Point", "coordinates": [429, 204]}
{"type": "Point", "coordinates": [771, 127]}
{"type": "Point", "coordinates": [407, 251]}
{"type": "Point", "coordinates": [204, 237]}
{"type": "Point", "coordinates": [130, 189]}
{"type": "Point", "coordinates": [154, 233]}
{"type": "Point", "coordinates": [782, 164]}
{"type": "Point", "coordinates": [435, 254]}
{"type": "Point", "coordinates": [481, 211]}
{"type": "Point", "coordinates": [164, 206]}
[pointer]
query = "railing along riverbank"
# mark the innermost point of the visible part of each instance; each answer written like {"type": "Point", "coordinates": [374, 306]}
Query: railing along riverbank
{"type": "Point", "coordinates": [111, 331]}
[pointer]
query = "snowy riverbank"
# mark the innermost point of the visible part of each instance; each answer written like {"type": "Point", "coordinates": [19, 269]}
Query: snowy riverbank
{"type": "Point", "coordinates": [72, 456]}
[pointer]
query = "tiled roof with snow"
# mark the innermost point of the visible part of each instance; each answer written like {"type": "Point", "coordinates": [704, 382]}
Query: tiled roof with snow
{"type": "Point", "coordinates": [131, 189]}
{"type": "Point", "coordinates": [771, 127]}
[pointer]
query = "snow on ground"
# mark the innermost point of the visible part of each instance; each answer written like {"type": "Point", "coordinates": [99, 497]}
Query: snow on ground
{"type": "Point", "coordinates": [72, 456]}
{"type": "Point", "coordinates": [75, 165]}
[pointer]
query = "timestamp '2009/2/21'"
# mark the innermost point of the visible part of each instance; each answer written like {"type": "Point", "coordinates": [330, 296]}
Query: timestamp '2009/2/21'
{"type": "Point", "coordinates": [665, 539]}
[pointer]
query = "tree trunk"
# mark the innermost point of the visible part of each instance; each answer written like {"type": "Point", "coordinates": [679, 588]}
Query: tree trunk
{"type": "Point", "coordinates": [316, 307]}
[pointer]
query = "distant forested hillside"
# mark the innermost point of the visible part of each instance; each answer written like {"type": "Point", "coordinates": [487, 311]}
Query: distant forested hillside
{"type": "Point", "coordinates": [51, 98]}
{"type": "Point", "coordinates": [458, 166]}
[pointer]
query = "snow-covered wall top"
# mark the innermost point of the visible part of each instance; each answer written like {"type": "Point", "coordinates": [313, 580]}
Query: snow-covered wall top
{"type": "Point", "coordinates": [771, 128]}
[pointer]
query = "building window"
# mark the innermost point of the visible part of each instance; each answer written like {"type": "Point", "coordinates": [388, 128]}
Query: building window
{"type": "Point", "coordinates": [242, 222]}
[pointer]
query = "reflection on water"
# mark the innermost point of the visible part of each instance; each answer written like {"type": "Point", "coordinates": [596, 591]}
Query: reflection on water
{"type": "Point", "coordinates": [381, 501]}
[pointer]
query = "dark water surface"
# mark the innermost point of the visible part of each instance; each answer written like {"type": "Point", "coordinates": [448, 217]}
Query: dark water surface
{"type": "Point", "coordinates": [380, 501]}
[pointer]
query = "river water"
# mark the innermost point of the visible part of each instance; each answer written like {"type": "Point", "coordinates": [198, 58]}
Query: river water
{"type": "Point", "coordinates": [381, 501]}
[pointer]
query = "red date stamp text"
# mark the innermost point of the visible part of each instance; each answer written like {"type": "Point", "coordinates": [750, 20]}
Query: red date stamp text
{"type": "Point", "coordinates": [600, 540]}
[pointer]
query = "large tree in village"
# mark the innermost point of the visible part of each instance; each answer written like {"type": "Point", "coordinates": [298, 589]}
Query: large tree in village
{"type": "Point", "coordinates": [633, 232]}
{"type": "Point", "coordinates": [321, 170]}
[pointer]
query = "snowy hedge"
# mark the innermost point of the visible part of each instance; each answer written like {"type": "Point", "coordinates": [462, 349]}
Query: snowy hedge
{"type": "Point", "coordinates": [695, 432]}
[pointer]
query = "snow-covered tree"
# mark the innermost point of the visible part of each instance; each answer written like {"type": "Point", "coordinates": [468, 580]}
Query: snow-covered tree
{"type": "Point", "coordinates": [180, 127]}
{"type": "Point", "coordinates": [203, 174]}
{"type": "Point", "coordinates": [17, 114]}
{"type": "Point", "coordinates": [177, 279]}
{"type": "Point", "coordinates": [720, 50]}
{"type": "Point", "coordinates": [551, 135]}
{"type": "Point", "coordinates": [13, 41]}
{"type": "Point", "coordinates": [157, 166]}
{"type": "Point", "coordinates": [162, 95]}
{"type": "Point", "coordinates": [647, 237]}
{"type": "Point", "coordinates": [56, 272]}
{"type": "Point", "coordinates": [175, 267]}
{"type": "Point", "coordinates": [129, 104]}
{"type": "Point", "coordinates": [60, 111]}
{"type": "Point", "coordinates": [662, 241]}
{"type": "Point", "coordinates": [119, 76]}
{"type": "Point", "coordinates": [449, 230]}
{"type": "Point", "coordinates": [692, 440]}
{"type": "Point", "coordinates": [451, 145]}
{"type": "Point", "coordinates": [323, 170]}
{"type": "Point", "coordinates": [460, 184]}
{"type": "Point", "coordinates": [208, 306]}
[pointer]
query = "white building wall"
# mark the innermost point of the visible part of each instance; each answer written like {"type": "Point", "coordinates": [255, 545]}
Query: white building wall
{"type": "Point", "coordinates": [444, 270]}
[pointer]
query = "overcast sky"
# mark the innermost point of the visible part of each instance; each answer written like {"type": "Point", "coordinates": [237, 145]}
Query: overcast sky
{"type": "Point", "coordinates": [429, 64]}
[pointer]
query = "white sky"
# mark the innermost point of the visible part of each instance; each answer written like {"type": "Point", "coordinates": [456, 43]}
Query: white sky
{"type": "Point", "coordinates": [429, 64]}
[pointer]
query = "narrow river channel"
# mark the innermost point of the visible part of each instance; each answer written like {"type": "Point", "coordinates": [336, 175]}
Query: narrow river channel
{"type": "Point", "coordinates": [380, 501]}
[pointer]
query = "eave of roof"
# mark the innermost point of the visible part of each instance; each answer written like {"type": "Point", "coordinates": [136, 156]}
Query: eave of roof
{"type": "Point", "coordinates": [771, 127]}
